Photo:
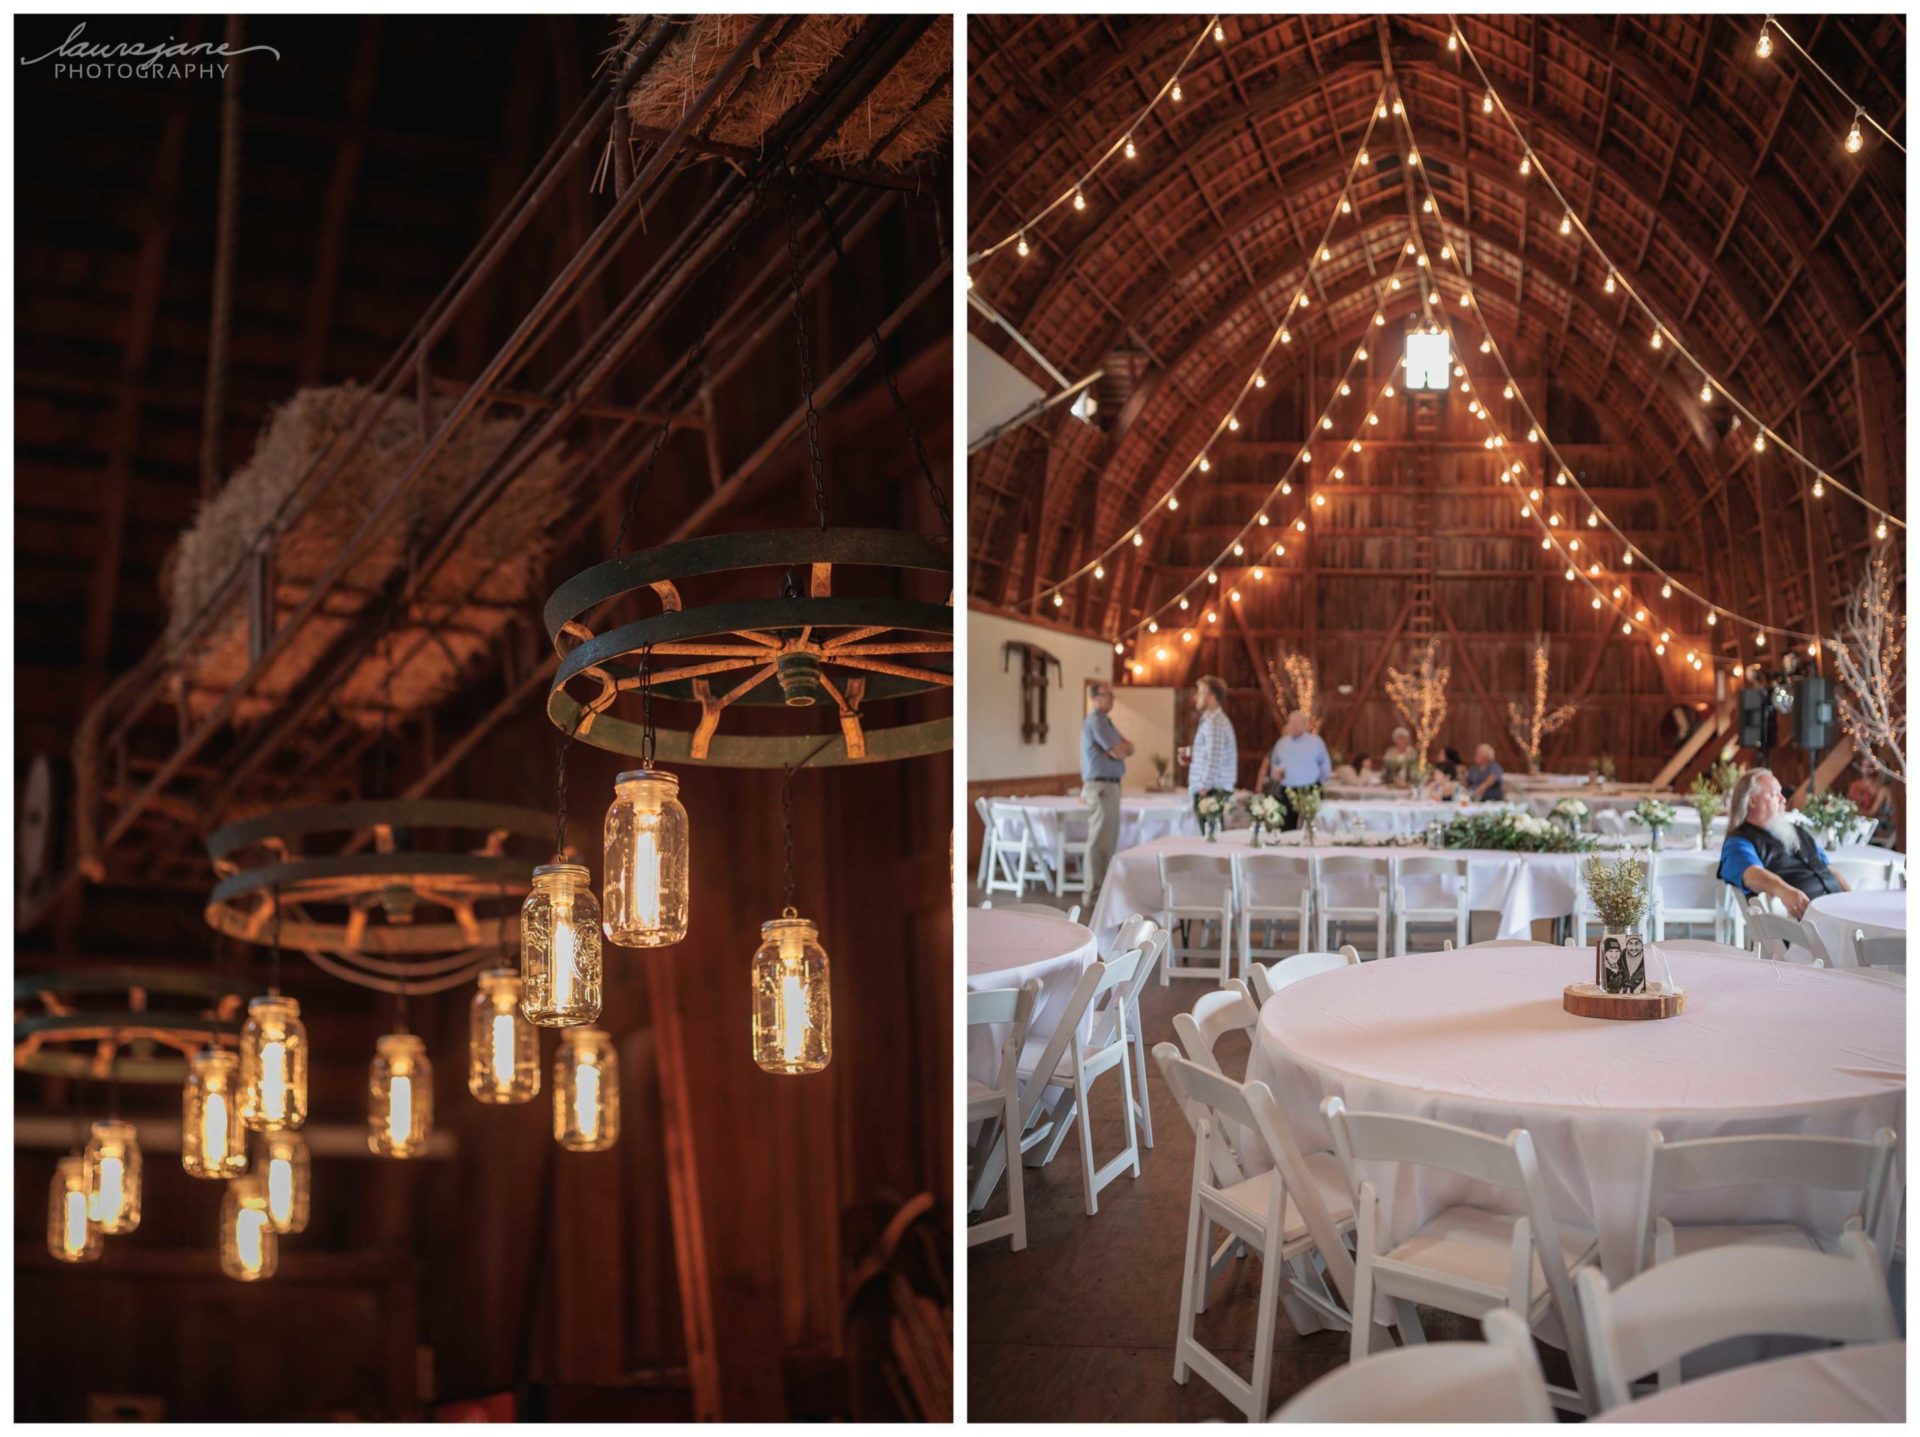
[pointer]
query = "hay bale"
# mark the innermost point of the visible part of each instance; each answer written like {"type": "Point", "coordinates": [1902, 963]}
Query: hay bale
{"type": "Point", "coordinates": [780, 77]}
{"type": "Point", "coordinates": [488, 582]}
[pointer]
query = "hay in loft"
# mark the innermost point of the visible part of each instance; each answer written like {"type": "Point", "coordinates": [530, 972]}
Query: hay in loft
{"type": "Point", "coordinates": [782, 75]}
{"type": "Point", "coordinates": [484, 586]}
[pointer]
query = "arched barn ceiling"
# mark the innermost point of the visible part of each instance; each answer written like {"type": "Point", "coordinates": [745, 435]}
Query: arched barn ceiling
{"type": "Point", "coordinates": [1716, 182]}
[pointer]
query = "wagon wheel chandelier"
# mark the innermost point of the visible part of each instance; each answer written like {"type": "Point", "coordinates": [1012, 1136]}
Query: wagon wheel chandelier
{"type": "Point", "coordinates": [121, 1024]}
{"type": "Point", "coordinates": [397, 895]}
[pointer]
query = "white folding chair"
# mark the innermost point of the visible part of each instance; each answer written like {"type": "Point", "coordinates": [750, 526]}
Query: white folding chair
{"type": "Point", "coordinates": [1045, 910]}
{"type": "Point", "coordinates": [1885, 955]}
{"type": "Point", "coordinates": [1786, 940]}
{"type": "Point", "coordinates": [1273, 890]}
{"type": "Point", "coordinates": [1495, 1381]}
{"type": "Point", "coordinates": [1196, 892]}
{"type": "Point", "coordinates": [1134, 931]}
{"type": "Point", "coordinates": [1862, 874]}
{"type": "Point", "coordinates": [1016, 859]}
{"type": "Point", "coordinates": [1255, 1211]}
{"type": "Point", "coordinates": [1266, 979]}
{"type": "Point", "coordinates": [1101, 1050]}
{"type": "Point", "coordinates": [1687, 893]}
{"type": "Point", "coordinates": [1350, 890]}
{"type": "Point", "coordinates": [1678, 1307]}
{"type": "Point", "coordinates": [984, 808]}
{"type": "Point", "coordinates": [1849, 1165]}
{"type": "Point", "coordinates": [1226, 1010]}
{"type": "Point", "coordinates": [996, 1106]}
{"type": "Point", "coordinates": [1070, 861]}
{"type": "Point", "coordinates": [1464, 1259]}
{"type": "Point", "coordinates": [1429, 889]}
{"type": "Point", "coordinates": [1152, 946]}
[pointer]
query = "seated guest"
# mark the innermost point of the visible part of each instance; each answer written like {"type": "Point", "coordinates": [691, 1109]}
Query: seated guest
{"type": "Point", "coordinates": [1355, 772]}
{"type": "Point", "coordinates": [1299, 759]}
{"type": "Point", "coordinates": [1767, 852]}
{"type": "Point", "coordinates": [1874, 798]}
{"type": "Point", "coordinates": [1443, 784]}
{"type": "Point", "coordinates": [1397, 763]}
{"type": "Point", "coordinates": [1486, 780]}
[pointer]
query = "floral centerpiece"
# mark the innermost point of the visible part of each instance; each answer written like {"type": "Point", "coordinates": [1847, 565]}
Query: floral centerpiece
{"type": "Point", "coordinates": [1268, 814]}
{"type": "Point", "coordinates": [1306, 807]}
{"type": "Point", "coordinates": [1830, 815]}
{"type": "Point", "coordinates": [1657, 815]}
{"type": "Point", "coordinates": [1606, 768]}
{"type": "Point", "coordinates": [1162, 772]}
{"type": "Point", "coordinates": [1572, 812]}
{"type": "Point", "coordinates": [1706, 801]}
{"type": "Point", "coordinates": [1210, 807]}
{"type": "Point", "coordinates": [1512, 832]}
{"type": "Point", "coordinates": [1617, 889]}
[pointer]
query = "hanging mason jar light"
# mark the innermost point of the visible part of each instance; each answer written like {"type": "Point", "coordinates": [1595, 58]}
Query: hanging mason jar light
{"type": "Point", "coordinates": [792, 1008]}
{"type": "Point", "coordinates": [646, 855]}
{"type": "Point", "coordinates": [249, 1247]}
{"type": "Point", "coordinates": [112, 1159]}
{"type": "Point", "coordinates": [213, 1141]}
{"type": "Point", "coordinates": [560, 947]}
{"type": "Point", "coordinates": [400, 1097]}
{"type": "Point", "coordinates": [289, 1171]}
{"type": "Point", "coordinates": [503, 1049]}
{"type": "Point", "coordinates": [72, 1234]}
{"type": "Point", "coordinates": [586, 1091]}
{"type": "Point", "coordinates": [273, 1064]}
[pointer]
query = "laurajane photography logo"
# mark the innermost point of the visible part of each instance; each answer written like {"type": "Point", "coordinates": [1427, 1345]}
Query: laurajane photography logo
{"type": "Point", "coordinates": [78, 58]}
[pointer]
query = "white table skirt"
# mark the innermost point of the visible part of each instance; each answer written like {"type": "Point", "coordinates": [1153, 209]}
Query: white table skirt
{"type": "Point", "coordinates": [1835, 916]}
{"type": "Point", "coordinates": [1394, 815]}
{"type": "Point", "coordinates": [1479, 1038]}
{"type": "Point", "coordinates": [1143, 816]}
{"type": "Point", "coordinates": [1845, 1384]}
{"type": "Point", "coordinates": [1004, 950]}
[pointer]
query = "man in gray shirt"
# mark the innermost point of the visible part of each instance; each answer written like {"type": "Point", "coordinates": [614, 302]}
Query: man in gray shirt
{"type": "Point", "coordinates": [1103, 756]}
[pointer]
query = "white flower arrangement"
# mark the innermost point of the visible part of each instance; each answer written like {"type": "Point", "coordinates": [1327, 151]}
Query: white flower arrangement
{"type": "Point", "coordinates": [1571, 808]}
{"type": "Point", "coordinates": [1266, 811]}
{"type": "Point", "coordinates": [1209, 805]}
{"type": "Point", "coordinates": [1654, 813]}
{"type": "Point", "coordinates": [1527, 824]}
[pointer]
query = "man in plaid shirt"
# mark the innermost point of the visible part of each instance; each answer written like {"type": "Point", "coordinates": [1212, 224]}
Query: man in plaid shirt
{"type": "Point", "coordinates": [1216, 752]}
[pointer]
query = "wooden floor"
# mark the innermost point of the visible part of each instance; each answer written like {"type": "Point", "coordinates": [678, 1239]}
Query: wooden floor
{"type": "Point", "coordinates": [1080, 1325]}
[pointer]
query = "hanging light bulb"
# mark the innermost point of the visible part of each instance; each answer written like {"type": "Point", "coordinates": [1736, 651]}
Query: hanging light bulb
{"type": "Point", "coordinates": [1153, 626]}
{"type": "Point", "coordinates": [1079, 197]}
{"type": "Point", "coordinates": [1233, 422]}
{"type": "Point", "coordinates": [1173, 503]}
{"type": "Point", "coordinates": [1219, 33]}
{"type": "Point", "coordinates": [1706, 393]}
{"type": "Point", "coordinates": [400, 1096]}
{"type": "Point", "coordinates": [1346, 205]}
{"type": "Point", "coordinates": [1177, 96]}
{"type": "Point", "coordinates": [1453, 42]}
{"type": "Point", "coordinates": [1713, 618]}
{"type": "Point", "coordinates": [1259, 379]}
{"type": "Point", "coordinates": [1238, 549]}
{"type": "Point", "coordinates": [1021, 247]}
{"type": "Point", "coordinates": [1183, 601]}
{"type": "Point", "coordinates": [1325, 254]}
{"type": "Point", "coordinates": [1760, 639]}
{"type": "Point", "coordinates": [1760, 442]}
{"type": "Point", "coordinates": [1446, 251]}
{"type": "Point", "coordinates": [1286, 335]}
{"type": "Point", "coordinates": [1880, 530]}
{"type": "Point", "coordinates": [288, 1171]}
{"type": "Point", "coordinates": [1398, 108]}
{"type": "Point", "coordinates": [1819, 488]}
{"type": "Point", "coordinates": [1365, 158]}
{"type": "Point", "coordinates": [503, 1048]}
{"type": "Point", "coordinates": [560, 943]}
{"type": "Point", "coordinates": [1566, 223]}
{"type": "Point", "coordinates": [249, 1247]}
{"type": "Point", "coordinates": [1205, 465]}
{"type": "Point", "coordinates": [213, 1141]}
{"type": "Point", "coordinates": [586, 1091]}
{"type": "Point", "coordinates": [1593, 571]}
{"type": "Point", "coordinates": [1609, 286]}
{"type": "Point", "coordinates": [1413, 159]}
{"type": "Point", "coordinates": [1639, 616]}
{"type": "Point", "coordinates": [1764, 47]}
{"type": "Point", "coordinates": [1596, 601]}
{"type": "Point", "coordinates": [1426, 208]}
{"type": "Point", "coordinates": [1138, 538]}
{"type": "Point", "coordinates": [1569, 574]}
{"type": "Point", "coordinates": [1656, 341]}
{"type": "Point", "coordinates": [1212, 578]}
{"type": "Point", "coordinates": [72, 1235]}
{"type": "Point", "coordinates": [1119, 648]}
{"type": "Point", "coordinates": [1626, 557]}
{"type": "Point", "coordinates": [1526, 165]}
{"type": "Point", "coordinates": [792, 1022]}
{"type": "Point", "coordinates": [646, 857]}
{"type": "Point", "coordinates": [112, 1171]}
{"type": "Point", "coordinates": [1130, 149]}
{"type": "Point", "coordinates": [1666, 591]}
{"type": "Point", "coordinates": [1262, 520]}
{"type": "Point", "coordinates": [1561, 478]}
{"type": "Point", "coordinates": [1854, 138]}
{"type": "Point", "coordinates": [1486, 103]}
{"type": "Point", "coordinates": [1360, 355]}
{"type": "Point", "coordinates": [1573, 547]}
{"type": "Point", "coordinates": [273, 1065]}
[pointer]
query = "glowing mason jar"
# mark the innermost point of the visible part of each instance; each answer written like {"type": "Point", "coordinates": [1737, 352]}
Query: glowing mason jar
{"type": "Point", "coordinates": [112, 1160]}
{"type": "Point", "coordinates": [400, 1106]}
{"type": "Point", "coordinates": [792, 1011]}
{"type": "Point", "coordinates": [72, 1235]}
{"type": "Point", "coordinates": [273, 1065]}
{"type": "Point", "coordinates": [249, 1247]}
{"type": "Point", "coordinates": [213, 1140]}
{"type": "Point", "coordinates": [287, 1170]}
{"type": "Point", "coordinates": [646, 850]}
{"type": "Point", "coordinates": [560, 948]}
{"type": "Point", "coordinates": [503, 1048]}
{"type": "Point", "coordinates": [586, 1091]}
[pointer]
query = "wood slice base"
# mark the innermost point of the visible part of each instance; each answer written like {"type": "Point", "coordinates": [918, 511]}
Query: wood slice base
{"type": "Point", "coordinates": [1589, 1000]}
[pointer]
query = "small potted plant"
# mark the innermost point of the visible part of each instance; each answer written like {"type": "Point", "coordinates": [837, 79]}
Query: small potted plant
{"type": "Point", "coordinates": [1617, 889]}
{"type": "Point", "coordinates": [1306, 807]}
{"type": "Point", "coordinates": [1657, 815]}
{"type": "Point", "coordinates": [1210, 810]}
{"type": "Point", "coordinates": [1705, 799]}
{"type": "Point", "coordinates": [1267, 812]}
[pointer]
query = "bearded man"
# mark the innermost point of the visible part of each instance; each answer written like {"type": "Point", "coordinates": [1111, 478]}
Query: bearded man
{"type": "Point", "coordinates": [1767, 852]}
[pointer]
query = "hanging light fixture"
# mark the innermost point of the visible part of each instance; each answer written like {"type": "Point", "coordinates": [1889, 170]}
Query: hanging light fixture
{"type": "Point", "coordinates": [72, 1234]}
{"type": "Point", "coordinates": [249, 1247]}
{"type": "Point", "coordinates": [112, 1160]}
{"type": "Point", "coordinates": [400, 1096]}
{"type": "Point", "coordinates": [288, 1169]}
{"type": "Point", "coordinates": [792, 1004]}
{"type": "Point", "coordinates": [503, 1048]}
{"type": "Point", "coordinates": [273, 1063]}
{"type": "Point", "coordinates": [213, 1140]}
{"type": "Point", "coordinates": [560, 946]}
{"type": "Point", "coordinates": [646, 861]}
{"type": "Point", "coordinates": [586, 1091]}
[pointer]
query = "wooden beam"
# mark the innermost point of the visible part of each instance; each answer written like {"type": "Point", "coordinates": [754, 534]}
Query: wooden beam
{"type": "Point", "coordinates": [1365, 691]}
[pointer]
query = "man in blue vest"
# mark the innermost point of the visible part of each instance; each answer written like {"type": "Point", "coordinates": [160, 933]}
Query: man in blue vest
{"type": "Point", "coordinates": [1767, 852]}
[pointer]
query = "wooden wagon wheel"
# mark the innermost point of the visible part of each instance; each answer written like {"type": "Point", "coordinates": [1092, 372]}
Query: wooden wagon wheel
{"type": "Point", "coordinates": [125, 1024]}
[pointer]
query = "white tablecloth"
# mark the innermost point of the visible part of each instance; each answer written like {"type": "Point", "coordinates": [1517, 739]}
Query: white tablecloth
{"type": "Point", "coordinates": [1393, 815]}
{"type": "Point", "coordinates": [1143, 816]}
{"type": "Point", "coordinates": [1479, 1038]}
{"type": "Point", "coordinates": [1845, 1384]}
{"type": "Point", "coordinates": [1004, 950]}
{"type": "Point", "coordinates": [1835, 916]}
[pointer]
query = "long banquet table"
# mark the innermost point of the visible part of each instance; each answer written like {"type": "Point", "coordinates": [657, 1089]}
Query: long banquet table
{"type": "Point", "coordinates": [1143, 816]}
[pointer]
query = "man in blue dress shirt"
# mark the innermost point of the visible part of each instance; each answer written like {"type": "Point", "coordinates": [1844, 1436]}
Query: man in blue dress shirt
{"type": "Point", "coordinates": [1103, 762]}
{"type": "Point", "coordinates": [1765, 851]}
{"type": "Point", "coordinates": [1299, 759]}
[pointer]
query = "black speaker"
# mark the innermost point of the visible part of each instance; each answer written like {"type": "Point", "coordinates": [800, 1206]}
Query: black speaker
{"type": "Point", "coordinates": [1813, 712]}
{"type": "Point", "coordinates": [1756, 719]}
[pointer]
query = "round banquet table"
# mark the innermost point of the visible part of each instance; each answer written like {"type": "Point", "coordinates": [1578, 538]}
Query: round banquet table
{"type": "Point", "coordinates": [1879, 913]}
{"type": "Point", "coordinates": [1478, 1038]}
{"type": "Point", "coordinates": [1143, 816]}
{"type": "Point", "coordinates": [1843, 1384]}
{"type": "Point", "coordinates": [1004, 950]}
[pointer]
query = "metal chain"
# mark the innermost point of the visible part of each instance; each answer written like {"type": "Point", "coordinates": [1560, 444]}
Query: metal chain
{"type": "Point", "coordinates": [273, 969]}
{"type": "Point", "coordinates": [786, 817]}
{"type": "Point", "coordinates": [886, 367]}
{"type": "Point", "coordinates": [806, 349]}
{"type": "Point", "coordinates": [695, 360]}
{"type": "Point", "coordinates": [560, 786]}
{"type": "Point", "coordinates": [646, 707]}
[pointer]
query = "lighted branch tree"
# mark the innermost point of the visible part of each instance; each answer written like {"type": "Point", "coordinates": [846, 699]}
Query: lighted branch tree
{"type": "Point", "coordinates": [1869, 654]}
{"type": "Point", "coordinates": [1532, 726]}
{"type": "Point", "coordinates": [1299, 689]}
{"type": "Point", "coordinates": [1420, 694]}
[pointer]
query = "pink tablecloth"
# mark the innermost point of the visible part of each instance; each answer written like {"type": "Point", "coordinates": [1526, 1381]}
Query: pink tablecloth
{"type": "Point", "coordinates": [1878, 914]}
{"type": "Point", "coordinates": [1479, 1038]}
{"type": "Point", "coordinates": [1847, 1384]}
{"type": "Point", "coordinates": [1004, 950]}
